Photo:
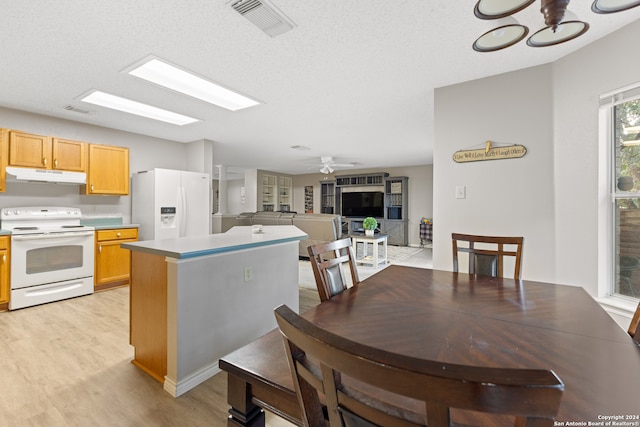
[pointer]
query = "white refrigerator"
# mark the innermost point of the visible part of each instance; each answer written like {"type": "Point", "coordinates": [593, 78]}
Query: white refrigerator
{"type": "Point", "coordinates": [168, 204]}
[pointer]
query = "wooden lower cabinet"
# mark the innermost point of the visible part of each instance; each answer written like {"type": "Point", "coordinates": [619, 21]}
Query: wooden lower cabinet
{"type": "Point", "coordinates": [112, 263]}
{"type": "Point", "coordinates": [5, 262]}
{"type": "Point", "coordinates": [148, 313]}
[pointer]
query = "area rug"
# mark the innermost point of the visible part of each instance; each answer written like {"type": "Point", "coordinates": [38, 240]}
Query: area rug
{"type": "Point", "coordinates": [400, 253]}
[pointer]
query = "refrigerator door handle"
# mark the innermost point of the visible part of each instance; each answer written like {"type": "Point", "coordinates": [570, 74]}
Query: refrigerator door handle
{"type": "Point", "coordinates": [182, 218]}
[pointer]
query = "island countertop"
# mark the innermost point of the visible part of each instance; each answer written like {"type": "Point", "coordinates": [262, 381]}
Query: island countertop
{"type": "Point", "coordinates": [237, 238]}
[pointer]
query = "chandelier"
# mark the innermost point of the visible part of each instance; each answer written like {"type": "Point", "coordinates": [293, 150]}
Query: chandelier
{"type": "Point", "coordinates": [561, 25]}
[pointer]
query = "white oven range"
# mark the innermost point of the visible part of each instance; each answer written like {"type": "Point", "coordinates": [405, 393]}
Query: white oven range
{"type": "Point", "coordinates": [51, 254]}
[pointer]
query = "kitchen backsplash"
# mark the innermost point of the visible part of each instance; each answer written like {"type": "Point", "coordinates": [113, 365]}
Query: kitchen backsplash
{"type": "Point", "coordinates": [97, 220]}
{"type": "Point", "coordinates": [47, 194]}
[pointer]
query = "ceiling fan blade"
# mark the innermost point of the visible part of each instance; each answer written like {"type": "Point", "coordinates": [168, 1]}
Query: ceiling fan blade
{"type": "Point", "coordinates": [326, 160]}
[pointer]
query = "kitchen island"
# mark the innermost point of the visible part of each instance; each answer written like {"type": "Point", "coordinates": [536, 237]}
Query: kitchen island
{"type": "Point", "coordinates": [195, 299]}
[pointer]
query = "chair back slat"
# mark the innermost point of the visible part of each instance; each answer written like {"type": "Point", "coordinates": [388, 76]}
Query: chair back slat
{"type": "Point", "coordinates": [367, 386]}
{"type": "Point", "coordinates": [327, 260]}
{"type": "Point", "coordinates": [487, 260]}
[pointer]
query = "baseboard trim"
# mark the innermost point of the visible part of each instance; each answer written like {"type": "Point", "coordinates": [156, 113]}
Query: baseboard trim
{"type": "Point", "coordinates": [193, 380]}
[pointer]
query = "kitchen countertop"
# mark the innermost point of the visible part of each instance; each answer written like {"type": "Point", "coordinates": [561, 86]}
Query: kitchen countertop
{"type": "Point", "coordinates": [115, 226]}
{"type": "Point", "coordinates": [237, 238]}
{"type": "Point", "coordinates": [97, 227]}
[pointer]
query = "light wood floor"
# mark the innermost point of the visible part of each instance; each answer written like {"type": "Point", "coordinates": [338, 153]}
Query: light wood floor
{"type": "Point", "coordinates": [68, 364]}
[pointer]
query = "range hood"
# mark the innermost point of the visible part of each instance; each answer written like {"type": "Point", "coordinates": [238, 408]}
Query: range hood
{"type": "Point", "coordinates": [15, 174]}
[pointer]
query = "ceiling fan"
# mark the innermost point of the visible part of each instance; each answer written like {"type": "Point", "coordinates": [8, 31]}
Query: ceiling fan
{"type": "Point", "coordinates": [328, 165]}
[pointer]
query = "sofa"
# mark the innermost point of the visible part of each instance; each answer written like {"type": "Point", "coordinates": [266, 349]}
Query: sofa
{"type": "Point", "coordinates": [320, 228]}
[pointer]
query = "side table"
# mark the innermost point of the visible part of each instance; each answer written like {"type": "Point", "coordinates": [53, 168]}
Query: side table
{"type": "Point", "coordinates": [376, 242]}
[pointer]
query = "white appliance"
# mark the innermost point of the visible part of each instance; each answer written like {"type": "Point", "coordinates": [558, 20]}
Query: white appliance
{"type": "Point", "coordinates": [51, 254]}
{"type": "Point", "coordinates": [168, 204]}
{"type": "Point", "coordinates": [15, 174]}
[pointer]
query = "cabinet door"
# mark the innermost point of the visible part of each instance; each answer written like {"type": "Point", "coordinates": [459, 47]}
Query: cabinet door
{"type": "Point", "coordinates": [327, 197]}
{"type": "Point", "coordinates": [112, 262]}
{"type": "Point", "coordinates": [32, 151]}
{"type": "Point", "coordinates": [108, 170]}
{"type": "Point", "coordinates": [69, 155]}
{"type": "Point", "coordinates": [396, 232]}
{"type": "Point", "coordinates": [4, 269]}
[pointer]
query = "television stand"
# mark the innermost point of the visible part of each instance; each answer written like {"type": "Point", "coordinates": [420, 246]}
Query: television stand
{"type": "Point", "coordinates": [393, 221]}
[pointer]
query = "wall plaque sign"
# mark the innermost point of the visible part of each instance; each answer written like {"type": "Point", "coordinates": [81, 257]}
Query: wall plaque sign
{"type": "Point", "coordinates": [490, 153]}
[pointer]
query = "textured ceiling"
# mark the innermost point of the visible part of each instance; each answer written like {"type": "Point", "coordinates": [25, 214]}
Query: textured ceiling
{"type": "Point", "coordinates": [353, 80]}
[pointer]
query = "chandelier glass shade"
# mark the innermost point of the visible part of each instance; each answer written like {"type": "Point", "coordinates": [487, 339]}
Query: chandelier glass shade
{"type": "Point", "coordinates": [565, 31]}
{"type": "Point", "coordinates": [507, 33]}
{"type": "Point", "coordinates": [496, 9]}
{"type": "Point", "coordinates": [613, 6]}
{"type": "Point", "coordinates": [561, 25]}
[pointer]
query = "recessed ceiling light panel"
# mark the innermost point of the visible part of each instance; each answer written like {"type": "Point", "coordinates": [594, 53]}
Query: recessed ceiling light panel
{"type": "Point", "coordinates": [174, 78]}
{"type": "Point", "coordinates": [613, 6]}
{"type": "Point", "coordinates": [495, 9]}
{"type": "Point", "coordinates": [114, 102]}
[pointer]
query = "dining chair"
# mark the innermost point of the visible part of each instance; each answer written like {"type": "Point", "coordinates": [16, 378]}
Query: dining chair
{"type": "Point", "coordinates": [360, 385]}
{"type": "Point", "coordinates": [634, 327]}
{"type": "Point", "coordinates": [327, 261]}
{"type": "Point", "coordinates": [488, 259]}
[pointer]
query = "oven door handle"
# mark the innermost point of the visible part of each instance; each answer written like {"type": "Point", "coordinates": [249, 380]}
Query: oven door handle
{"type": "Point", "coordinates": [51, 235]}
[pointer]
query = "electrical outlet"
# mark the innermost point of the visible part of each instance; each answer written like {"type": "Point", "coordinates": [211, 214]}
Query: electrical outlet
{"type": "Point", "coordinates": [248, 274]}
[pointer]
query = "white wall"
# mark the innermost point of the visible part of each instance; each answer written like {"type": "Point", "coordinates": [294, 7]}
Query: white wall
{"type": "Point", "coordinates": [420, 186]}
{"type": "Point", "coordinates": [250, 191]}
{"type": "Point", "coordinates": [503, 197]}
{"type": "Point", "coordinates": [234, 203]}
{"type": "Point", "coordinates": [200, 156]}
{"type": "Point", "coordinates": [144, 152]}
{"type": "Point", "coordinates": [579, 80]}
{"type": "Point", "coordinates": [551, 195]}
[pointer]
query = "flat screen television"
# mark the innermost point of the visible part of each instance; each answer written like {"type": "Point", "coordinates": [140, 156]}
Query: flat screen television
{"type": "Point", "coordinates": [363, 204]}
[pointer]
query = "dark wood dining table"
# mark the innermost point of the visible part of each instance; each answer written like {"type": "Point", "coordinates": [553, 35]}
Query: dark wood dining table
{"type": "Point", "coordinates": [458, 318]}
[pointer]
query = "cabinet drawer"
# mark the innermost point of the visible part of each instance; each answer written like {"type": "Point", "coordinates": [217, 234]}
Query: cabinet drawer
{"type": "Point", "coordinates": [4, 242]}
{"type": "Point", "coordinates": [116, 234]}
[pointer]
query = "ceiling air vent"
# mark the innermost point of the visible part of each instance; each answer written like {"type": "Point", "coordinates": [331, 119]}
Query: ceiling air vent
{"type": "Point", "coordinates": [264, 15]}
{"type": "Point", "coordinates": [77, 110]}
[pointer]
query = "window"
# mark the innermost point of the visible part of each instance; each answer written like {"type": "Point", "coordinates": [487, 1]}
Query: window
{"type": "Point", "coordinates": [623, 109]}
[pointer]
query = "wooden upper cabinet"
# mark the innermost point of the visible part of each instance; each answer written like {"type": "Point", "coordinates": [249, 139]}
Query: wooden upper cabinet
{"type": "Point", "coordinates": [108, 170]}
{"type": "Point", "coordinates": [69, 155]}
{"type": "Point", "coordinates": [43, 152]}
{"type": "Point", "coordinates": [29, 150]}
